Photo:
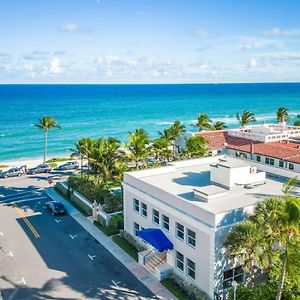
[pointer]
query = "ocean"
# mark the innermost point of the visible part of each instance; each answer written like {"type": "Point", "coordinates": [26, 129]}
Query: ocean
{"type": "Point", "coordinates": [114, 110]}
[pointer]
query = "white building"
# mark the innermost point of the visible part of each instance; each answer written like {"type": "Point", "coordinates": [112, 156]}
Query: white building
{"type": "Point", "coordinates": [195, 203]}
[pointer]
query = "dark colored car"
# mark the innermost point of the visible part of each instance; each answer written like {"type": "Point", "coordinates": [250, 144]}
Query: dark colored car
{"type": "Point", "coordinates": [43, 168]}
{"type": "Point", "coordinates": [13, 172]}
{"type": "Point", "coordinates": [71, 165]}
{"type": "Point", "coordinates": [56, 208]}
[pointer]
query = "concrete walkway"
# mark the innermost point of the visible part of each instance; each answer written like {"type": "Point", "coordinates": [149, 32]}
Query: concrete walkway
{"type": "Point", "coordinates": [134, 267]}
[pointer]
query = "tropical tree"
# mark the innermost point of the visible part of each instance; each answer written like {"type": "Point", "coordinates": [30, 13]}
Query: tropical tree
{"type": "Point", "coordinates": [244, 244]}
{"type": "Point", "coordinates": [297, 122]}
{"type": "Point", "coordinates": [203, 122]}
{"type": "Point", "coordinates": [245, 118]}
{"type": "Point", "coordinates": [273, 232]}
{"type": "Point", "coordinates": [177, 129]}
{"type": "Point", "coordinates": [160, 148]}
{"type": "Point", "coordinates": [47, 123]}
{"type": "Point", "coordinates": [138, 146]}
{"type": "Point", "coordinates": [218, 125]}
{"type": "Point", "coordinates": [282, 114]}
{"type": "Point", "coordinates": [196, 146]}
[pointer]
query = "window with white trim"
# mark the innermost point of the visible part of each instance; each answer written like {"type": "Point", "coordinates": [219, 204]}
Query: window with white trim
{"type": "Point", "coordinates": [180, 231]}
{"type": "Point", "coordinates": [179, 261]}
{"type": "Point", "coordinates": [155, 216]}
{"type": "Point", "coordinates": [190, 268]}
{"type": "Point", "coordinates": [191, 238]}
{"type": "Point", "coordinates": [258, 158]}
{"type": "Point", "coordinates": [136, 205]}
{"type": "Point", "coordinates": [136, 228]}
{"type": "Point", "coordinates": [291, 166]}
{"type": "Point", "coordinates": [281, 164]}
{"type": "Point", "coordinates": [165, 222]}
{"type": "Point", "coordinates": [235, 274]}
{"type": "Point", "coordinates": [144, 210]}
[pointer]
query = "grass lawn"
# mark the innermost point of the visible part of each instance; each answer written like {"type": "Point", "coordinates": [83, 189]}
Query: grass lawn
{"type": "Point", "coordinates": [126, 246]}
{"type": "Point", "coordinates": [174, 289]}
{"type": "Point", "coordinates": [107, 230]}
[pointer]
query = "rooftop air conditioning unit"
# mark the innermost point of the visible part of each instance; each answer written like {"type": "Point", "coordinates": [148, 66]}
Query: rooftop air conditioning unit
{"type": "Point", "coordinates": [253, 170]}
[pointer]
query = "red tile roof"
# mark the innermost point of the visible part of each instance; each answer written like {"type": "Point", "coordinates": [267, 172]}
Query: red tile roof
{"type": "Point", "coordinates": [286, 151]}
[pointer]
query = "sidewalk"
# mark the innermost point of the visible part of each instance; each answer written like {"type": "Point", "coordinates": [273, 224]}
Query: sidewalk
{"type": "Point", "coordinates": [134, 267]}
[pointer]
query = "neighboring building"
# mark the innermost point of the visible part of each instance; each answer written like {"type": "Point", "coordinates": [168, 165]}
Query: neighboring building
{"type": "Point", "coordinates": [194, 203]}
{"type": "Point", "coordinates": [275, 145]}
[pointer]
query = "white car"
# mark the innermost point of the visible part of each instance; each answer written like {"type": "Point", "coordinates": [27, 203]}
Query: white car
{"type": "Point", "coordinates": [70, 165]}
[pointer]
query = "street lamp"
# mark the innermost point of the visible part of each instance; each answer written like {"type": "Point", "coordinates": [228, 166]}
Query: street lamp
{"type": "Point", "coordinates": [234, 285]}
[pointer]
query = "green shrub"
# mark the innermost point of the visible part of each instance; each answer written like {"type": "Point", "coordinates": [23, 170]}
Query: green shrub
{"type": "Point", "coordinates": [127, 247]}
{"type": "Point", "coordinates": [53, 165]}
{"type": "Point", "coordinates": [117, 221]}
{"type": "Point", "coordinates": [58, 159]}
{"type": "Point", "coordinates": [113, 203]}
{"type": "Point", "coordinates": [189, 289]}
{"type": "Point", "coordinates": [101, 220]}
{"type": "Point", "coordinates": [132, 241]}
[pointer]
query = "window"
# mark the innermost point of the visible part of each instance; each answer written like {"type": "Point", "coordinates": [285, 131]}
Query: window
{"type": "Point", "coordinates": [291, 166]}
{"type": "Point", "coordinates": [267, 160]}
{"type": "Point", "coordinates": [191, 238]}
{"type": "Point", "coordinates": [272, 161]}
{"type": "Point", "coordinates": [190, 268]}
{"type": "Point", "coordinates": [136, 205]}
{"type": "Point", "coordinates": [144, 210]}
{"type": "Point", "coordinates": [179, 261]}
{"type": "Point", "coordinates": [258, 158]}
{"type": "Point", "coordinates": [281, 164]}
{"type": "Point", "coordinates": [236, 274]}
{"type": "Point", "coordinates": [155, 216]}
{"type": "Point", "coordinates": [136, 228]}
{"type": "Point", "coordinates": [166, 222]}
{"type": "Point", "coordinates": [180, 231]}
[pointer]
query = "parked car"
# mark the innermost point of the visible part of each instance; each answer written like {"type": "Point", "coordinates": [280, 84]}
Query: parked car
{"type": "Point", "coordinates": [13, 172]}
{"type": "Point", "coordinates": [70, 165]}
{"type": "Point", "coordinates": [56, 208]}
{"type": "Point", "coordinates": [43, 168]}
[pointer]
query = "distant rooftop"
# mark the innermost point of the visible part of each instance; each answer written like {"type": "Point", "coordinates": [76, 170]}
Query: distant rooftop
{"type": "Point", "coordinates": [287, 148]}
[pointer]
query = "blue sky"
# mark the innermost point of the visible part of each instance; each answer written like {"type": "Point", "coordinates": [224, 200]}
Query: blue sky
{"type": "Point", "coordinates": [149, 41]}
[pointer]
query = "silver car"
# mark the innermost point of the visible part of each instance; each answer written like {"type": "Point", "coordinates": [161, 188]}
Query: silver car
{"type": "Point", "coordinates": [13, 172]}
{"type": "Point", "coordinates": [70, 165]}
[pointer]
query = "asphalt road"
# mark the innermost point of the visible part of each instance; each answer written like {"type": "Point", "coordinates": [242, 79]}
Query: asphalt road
{"type": "Point", "coordinates": [46, 257]}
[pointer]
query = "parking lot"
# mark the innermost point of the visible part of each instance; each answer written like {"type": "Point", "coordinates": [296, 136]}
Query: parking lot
{"type": "Point", "coordinates": [50, 257]}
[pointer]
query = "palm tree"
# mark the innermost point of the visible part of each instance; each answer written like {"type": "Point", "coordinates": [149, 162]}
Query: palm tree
{"type": "Point", "coordinates": [203, 122]}
{"type": "Point", "coordinates": [83, 149]}
{"type": "Point", "coordinates": [219, 125]}
{"type": "Point", "coordinates": [177, 129]}
{"type": "Point", "coordinates": [243, 245]}
{"type": "Point", "coordinates": [161, 149]}
{"type": "Point", "coordinates": [297, 122]}
{"type": "Point", "coordinates": [47, 123]}
{"type": "Point", "coordinates": [246, 118]}
{"type": "Point", "coordinates": [138, 142]}
{"type": "Point", "coordinates": [282, 114]}
{"type": "Point", "coordinates": [196, 146]}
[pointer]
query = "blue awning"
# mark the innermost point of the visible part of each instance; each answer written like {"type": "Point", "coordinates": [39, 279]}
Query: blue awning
{"type": "Point", "coordinates": [156, 238]}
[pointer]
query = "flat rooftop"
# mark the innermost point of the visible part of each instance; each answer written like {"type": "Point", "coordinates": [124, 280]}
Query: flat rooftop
{"type": "Point", "coordinates": [180, 179]}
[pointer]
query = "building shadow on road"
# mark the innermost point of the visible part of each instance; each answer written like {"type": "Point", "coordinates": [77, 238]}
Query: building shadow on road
{"type": "Point", "coordinates": [102, 278]}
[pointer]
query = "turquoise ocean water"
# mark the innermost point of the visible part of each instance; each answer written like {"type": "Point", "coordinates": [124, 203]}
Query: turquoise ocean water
{"type": "Point", "coordinates": [113, 110]}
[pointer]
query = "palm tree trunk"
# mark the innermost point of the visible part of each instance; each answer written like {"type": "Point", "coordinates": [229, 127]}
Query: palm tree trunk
{"type": "Point", "coordinates": [46, 145]}
{"type": "Point", "coordinates": [282, 275]}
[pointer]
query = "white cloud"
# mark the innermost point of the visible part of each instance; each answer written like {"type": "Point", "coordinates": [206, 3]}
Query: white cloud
{"type": "Point", "coordinates": [252, 63]}
{"type": "Point", "coordinates": [70, 27]}
{"type": "Point", "coordinates": [55, 66]}
{"type": "Point", "coordinates": [202, 33]}
{"type": "Point", "coordinates": [276, 32]}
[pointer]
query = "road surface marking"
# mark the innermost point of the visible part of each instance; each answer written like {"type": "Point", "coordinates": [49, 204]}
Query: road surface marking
{"type": "Point", "coordinates": [19, 195]}
{"type": "Point", "coordinates": [22, 215]}
{"type": "Point", "coordinates": [25, 200]}
{"type": "Point", "coordinates": [91, 256]}
{"type": "Point", "coordinates": [1, 233]}
{"type": "Point", "coordinates": [116, 283]}
{"type": "Point", "coordinates": [57, 221]}
{"type": "Point", "coordinates": [9, 254]}
{"type": "Point", "coordinates": [73, 236]}
{"type": "Point", "coordinates": [22, 281]}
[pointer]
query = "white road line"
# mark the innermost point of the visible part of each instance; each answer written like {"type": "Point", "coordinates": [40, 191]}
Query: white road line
{"type": "Point", "coordinates": [9, 254]}
{"type": "Point", "coordinates": [20, 194]}
{"type": "Point", "coordinates": [116, 283]}
{"type": "Point", "coordinates": [1, 233]}
{"type": "Point", "coordinates": [91, 256]}
{"type": "Point", "coordinates": [27, 200]}
{"type": "Point", "coordinates": [73, 236]}
{"type": "Point", "coordinates": [22, 281]}
{"type": "Point", "coordinates": [57, 221]}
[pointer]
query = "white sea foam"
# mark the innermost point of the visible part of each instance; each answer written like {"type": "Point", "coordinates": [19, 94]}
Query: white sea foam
{"type": "Point", "coordinates": [164, 123]}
